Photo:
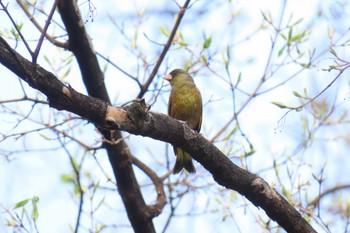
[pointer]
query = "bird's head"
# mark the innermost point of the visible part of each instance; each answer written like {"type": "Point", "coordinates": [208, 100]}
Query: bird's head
{"type": "Point", "coordinates": [178, 75]}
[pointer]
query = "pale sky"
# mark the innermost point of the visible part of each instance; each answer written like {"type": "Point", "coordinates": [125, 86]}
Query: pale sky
{"type": "Point", "coordinates": [38, 173]}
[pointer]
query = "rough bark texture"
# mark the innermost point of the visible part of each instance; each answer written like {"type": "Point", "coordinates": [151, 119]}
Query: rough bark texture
{"type": "Point", "coordinates": [157, 126]}
{"type": "Point", "coordinates": [119, 154]}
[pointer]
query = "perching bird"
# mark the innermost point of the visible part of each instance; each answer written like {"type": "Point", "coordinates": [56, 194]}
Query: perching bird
{"type": "Point", "coordinates": [185, 104]}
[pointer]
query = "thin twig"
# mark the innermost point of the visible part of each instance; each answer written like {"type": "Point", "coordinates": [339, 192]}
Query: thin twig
{"type": "Point", "coordinates": [37, 25]}
{"type": "Point", "coordinates": [4, 8]}
{"type": "Point", "coordinates": [43, 33]}
{"type": "Point", "coordinates": [262, 80]}
{"type": "Point", "coordinates": [316, 201]}
{"type": "Point", "coordinates": [155, 209]}
{"type": "Point", "coordinates": [81, 192]}
{"type": "Point", "coordinates": [300, 107]}
{"type": "Point", "coordinates": [145, 86]}
{"type": "Point", "coordinates": [118, 68]}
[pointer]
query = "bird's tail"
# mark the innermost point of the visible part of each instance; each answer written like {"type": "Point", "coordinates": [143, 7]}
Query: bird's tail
{"type": "Point", "coordinates": [183, 160]}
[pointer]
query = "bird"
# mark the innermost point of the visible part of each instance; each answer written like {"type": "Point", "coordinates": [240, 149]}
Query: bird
{"type": "Point", "coordinates": [185, 104]}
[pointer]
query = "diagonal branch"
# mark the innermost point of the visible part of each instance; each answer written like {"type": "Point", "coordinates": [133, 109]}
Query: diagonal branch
{"type": "Point", "coordinates": [144, 87]}
{"type": "Point", "coordinates": [137, 120]}
{"type": "Point", "coordinates": [37, 25]}
{"type": "Point", "coordinates": [43, 33]}
{"type": "Point", "coordinates": [155, 209]}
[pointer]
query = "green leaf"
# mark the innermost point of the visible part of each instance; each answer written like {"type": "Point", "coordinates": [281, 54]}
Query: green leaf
{"type": "Point", "coordinates": [99, 204]}
{"type": "Point", "coordinates": [46, 58]}
{"type": "Point", "coordinates": [65, 74]}
{"type": "Point", "coordinates": [298, 37]}
{"type": "Point", "coordinates": [305, 65]}
{"type": "Point", "coordinates": [283, 36]}
{"type": "Point", "coordinates": [280, 105]}
{"type": "Point", "coordinates": [218, 200]}
{"type": "Point", "coordinates": [204, 58]}
{"type": "Point", "coordinates": [11, 223]}
{"type": "Point", "coordinates": [298, 21]}
{"type": "Point", "coordinates": [239, 78]}
{"type": "Point", "coordinates": [290, 33]}
{"type": "Point", "coordinates": [164, 31]}
{"type": "Point", "coordinates": [134, 40]}
{"type": "Point", "coordinates": [275, 167]}
{"type": "Point", "coordinates": [268, 17]}
{"type": "Point", "coordinates": [285, 192]}
{"type": "Point", "coordinates": [182, 43]}
{"type": "Point", "coordinates": [35, 212]}
{"type": "Point", "coordinates": [295, 93]}
{"type": "Point", "coordinates": [21, 203]}
{"type": "Point", "coordinates": [331, 50]}
{"type": "Point", "coordinates": [249, 153]}
{"type": "Point", "coordinates": [231, 133]}
{"type": "Point", "coordinates": [207, 42]}
{"type": "Point", "coordinates": [228, 52]}
{"type": "Point", "coordinates": [67, 178]}
{"type": "Point", "coordinates": [263, 15]}
{"type": "Point", "coordinates": [96, 186]}
{"type": "Point", "coordinates": [298, 109]}
{"type": "Point", "coordinates": [281, 51]}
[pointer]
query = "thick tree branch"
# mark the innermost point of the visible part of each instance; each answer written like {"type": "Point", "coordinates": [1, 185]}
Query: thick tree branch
{"type": "Point", "coordinates": [80, 44]}
{"type": "Point", "coordinates": [118, 153]}
{"type": "Point", "coordinates": [137, 120]}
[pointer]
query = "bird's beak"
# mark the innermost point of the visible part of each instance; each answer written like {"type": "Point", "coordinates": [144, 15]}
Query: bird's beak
{"type": "Point", "coordinates": [167, 77]}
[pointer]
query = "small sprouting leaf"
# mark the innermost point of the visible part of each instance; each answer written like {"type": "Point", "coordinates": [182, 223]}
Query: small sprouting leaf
{"type": "Point", "coordinates": [35, 212]}
{"type": "Point", "coordinates": [21, 203]}
{"type": "Point", "coordinates": [134, 40]}
{"type": "Point", "coordinates": [182, 43]}
{"type": "Point", "coordinates": [331, 50]}
{"type": "Point", "coordinates": [298, 21]}
{"type": "Point", "coordinates": [204, 58]}
{"type": "Point", "coordinates": [249, 153]}
{"type": "Point", "coordinates": [263, 15]}
{"type": "Point", "coordinates": [232, 132]}
{"type": "Point", "coordinates": [218, 200]}
{"type": "Point", "coordinates": [164, 31]}
{"type": "Point", "coordinates": [281, 51]}
{"type": "Point", "coordinates": [67, 178]}
{"type": "Point", "coordinates": [11, 223]}
{"type": "Point", "coordinates": [283, 36]}
{"type": "Point", "coordinates": [285, 192]}
{"type": "Point", "coordinates": [268, 17]}
{"type": "Point", "coordinates": [298, 109]}
{"type": "Point", "coordinates": [228, 53]}
{"type": "Point", "coordinates": [298, 37]}
{"type": "Point", "coordinates": [290, 33]}
{"type": "Point", "coordinates": [95, 187]}
{"type": "Point", "coordinates": [295, 93]}
{"type": "Point", "coordinates": [280, 105]}
{"type": "Point", "coordinates": [239, 78]}
{"type": "Point", "coordinates": [305, 65]}
{"type": "Point", "coordinates": [65, 74]}
{"type": "Point", "coordinates": [46, 58]}
{"type": "Point", "coordinates": [207, 42]}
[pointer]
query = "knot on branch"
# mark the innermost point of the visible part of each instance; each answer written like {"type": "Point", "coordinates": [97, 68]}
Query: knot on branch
{"type": "Point", "coordinates": [136, 112]}
{"type": "Point", "coordinates": [260, 186]}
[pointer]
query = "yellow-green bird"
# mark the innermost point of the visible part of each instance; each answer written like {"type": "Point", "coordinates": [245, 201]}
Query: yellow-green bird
{"type": "Point", "coordinates": [185, 104]}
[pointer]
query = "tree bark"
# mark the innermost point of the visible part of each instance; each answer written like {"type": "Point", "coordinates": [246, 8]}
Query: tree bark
{"type": "Point", "coordinates": [137, 120]}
